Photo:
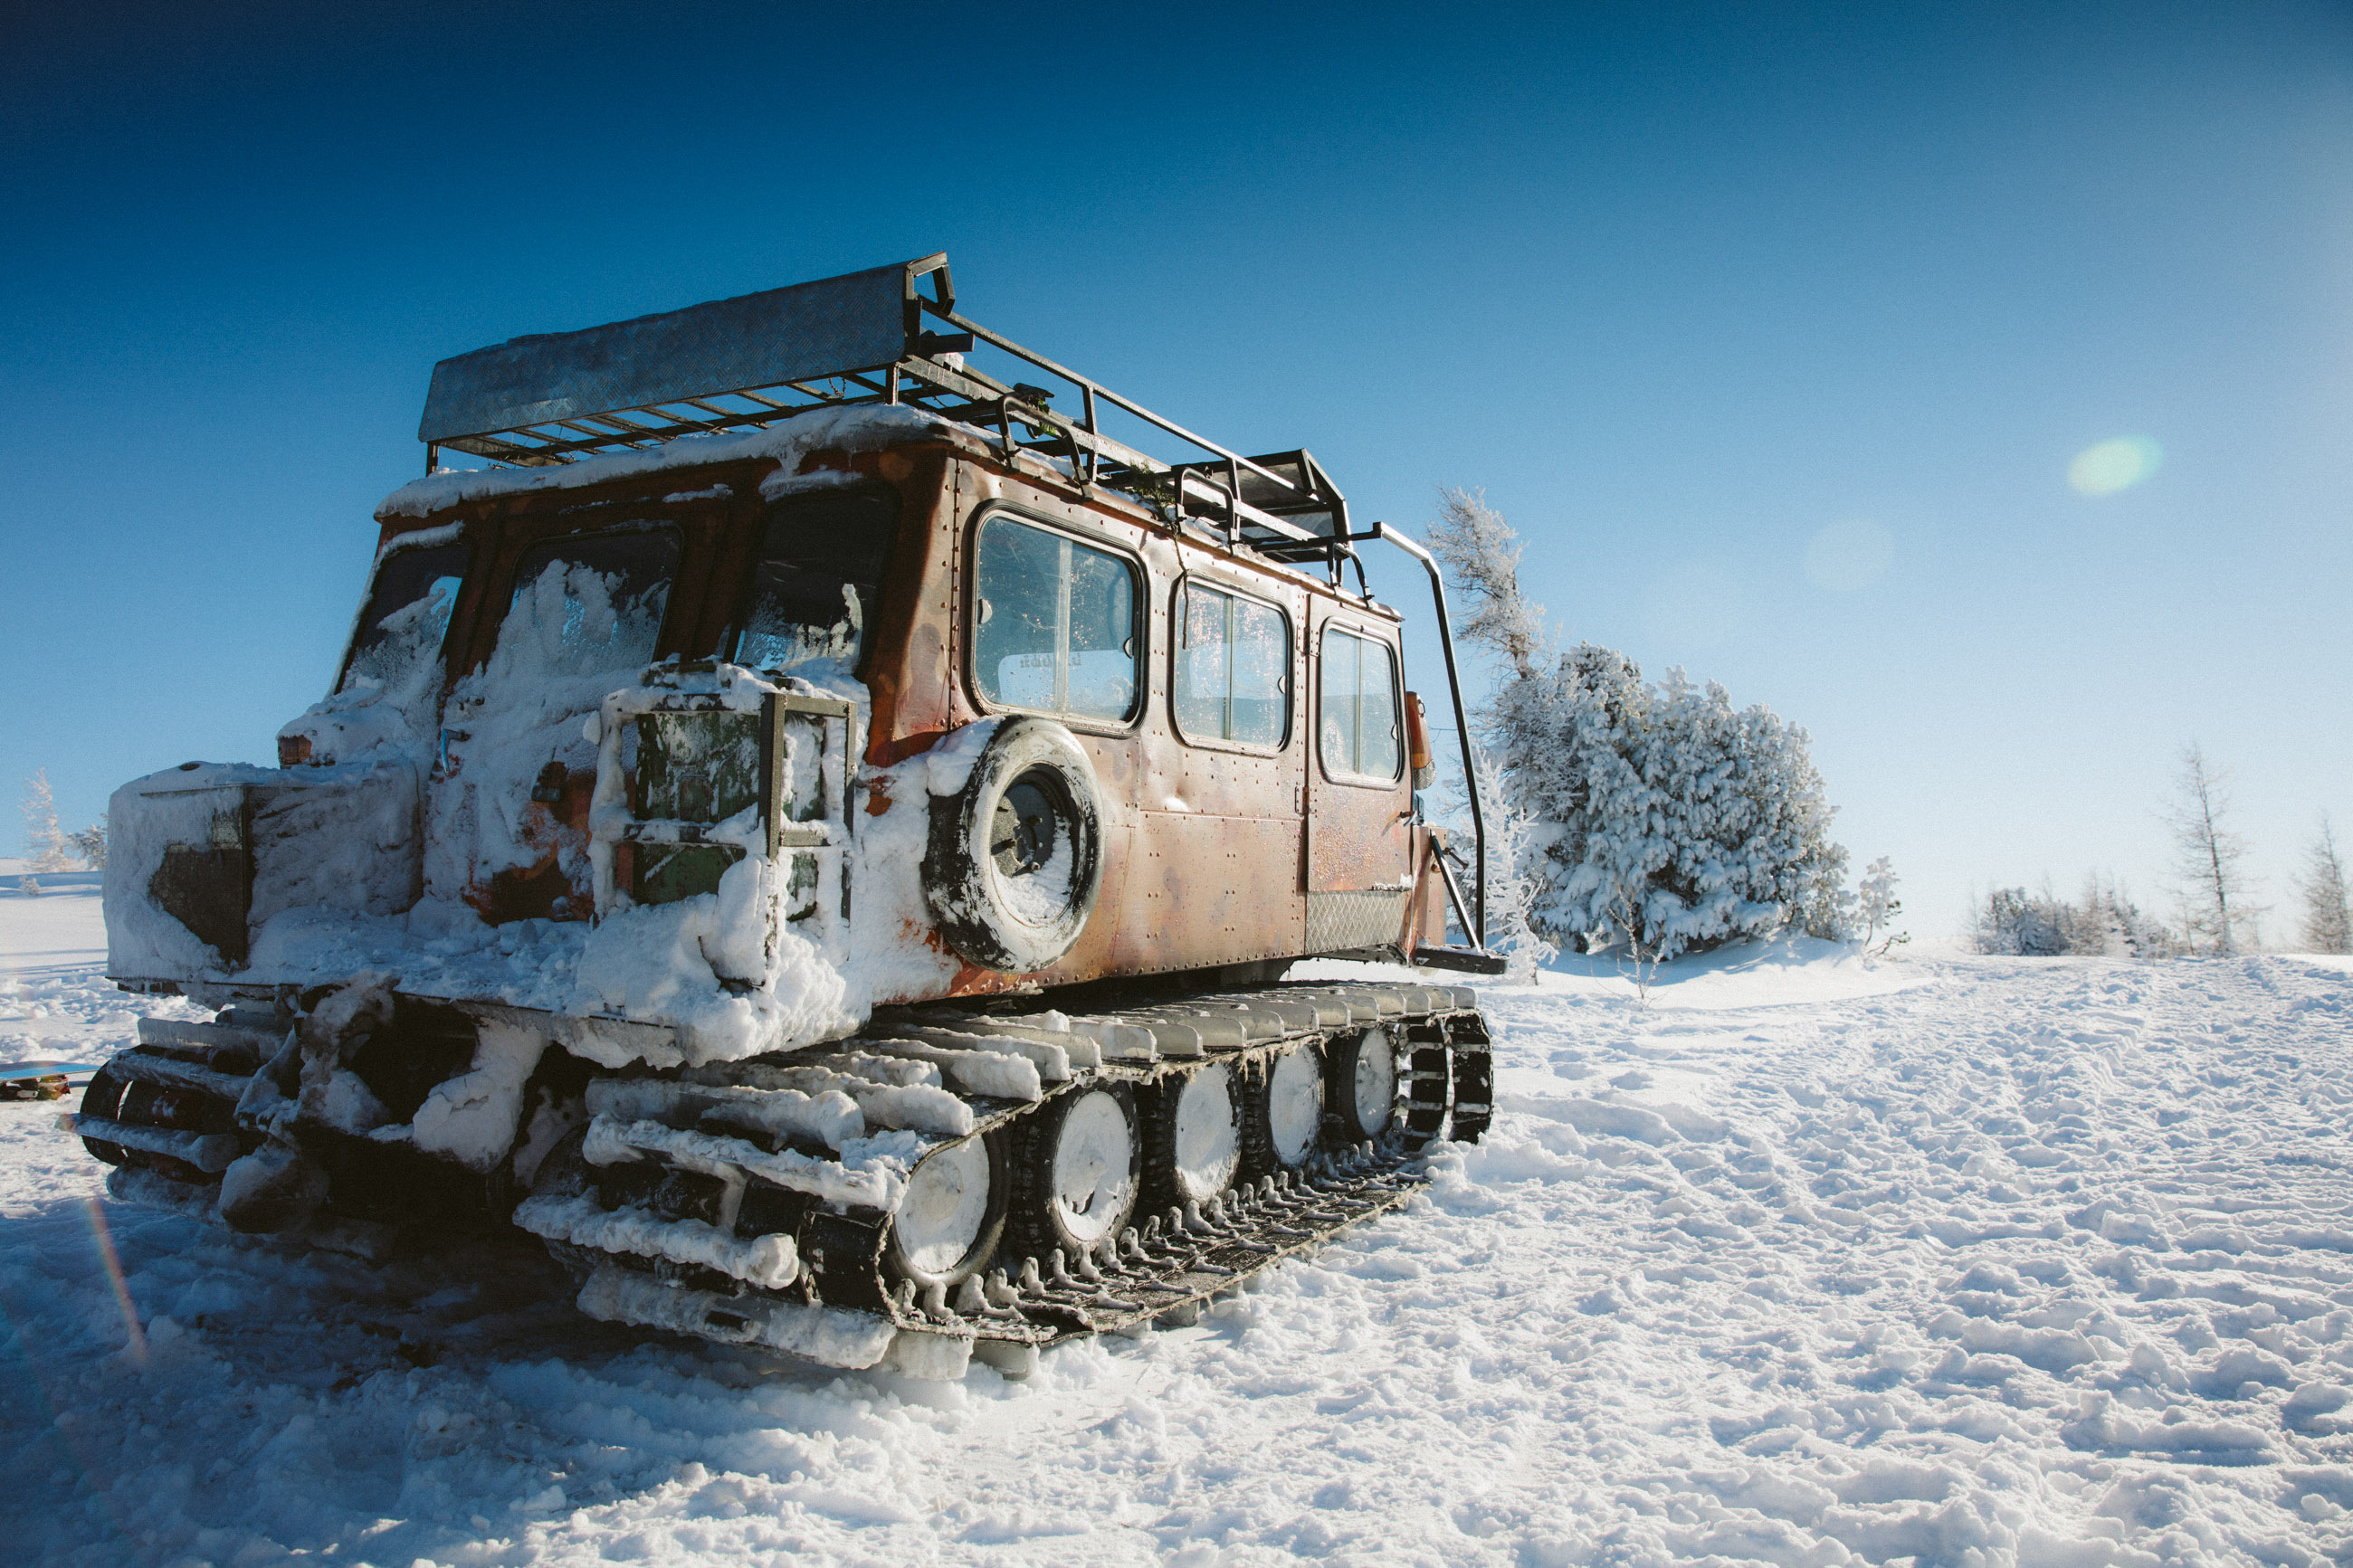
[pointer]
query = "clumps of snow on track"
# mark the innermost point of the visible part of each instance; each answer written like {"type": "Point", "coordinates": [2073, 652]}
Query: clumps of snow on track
{"type": "Point", "coordinates": [1803, 1262]}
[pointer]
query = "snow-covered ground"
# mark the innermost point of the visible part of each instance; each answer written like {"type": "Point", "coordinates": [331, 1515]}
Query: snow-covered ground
{"type": "Point", "coordinates": [54, 1007]}
{"type": "Point", "coordinates": [1803, 1261]}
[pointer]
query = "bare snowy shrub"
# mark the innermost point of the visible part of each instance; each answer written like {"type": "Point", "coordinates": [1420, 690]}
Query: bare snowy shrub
{"type": "Point", "coordinates": [45, 842]}
{"type": "Point", "coordinates": [2327, 921]}
{"type": "Point", "coordinates": [1662, 820]}
{"type": "Point", "coordinates": [1876, 906]}
{"type": "Point", "coordinates": [2208, 857]}
{"type": "Point", "coordinates": [1511, 890]}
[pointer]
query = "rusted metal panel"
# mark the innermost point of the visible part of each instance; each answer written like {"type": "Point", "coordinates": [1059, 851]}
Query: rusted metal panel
{"type": "Point", "coordinates": [1199, 893]}
{"type": "Point", "coordinates": [1201, 847]}
{"type": "Point", "coordinates": [908, 669]}
{"type": "Point", "coordinates": [1425, 916]}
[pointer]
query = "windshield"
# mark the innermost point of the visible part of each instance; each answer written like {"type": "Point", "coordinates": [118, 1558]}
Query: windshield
{"type": "Point", "coordinates": [814, 588]}
{"type": "Point", "coordinates": [407, 617]}
{"type": "Point", "coordinates": [585, 605]}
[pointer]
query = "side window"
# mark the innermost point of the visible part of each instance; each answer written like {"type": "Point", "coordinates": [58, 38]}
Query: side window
{"type": "Point", "coordinates": [1358, 704]}
{"type": "Point", "coordinates": [1054, 623]}
{"type": "Point", "coordinates": [587, 604]}
{"type": "Point", "coordinates": [823, 560]}
{"type": "Point", "coordinates": [1233, 669]}
{"type": "Point", "coordinates": [407, 617]}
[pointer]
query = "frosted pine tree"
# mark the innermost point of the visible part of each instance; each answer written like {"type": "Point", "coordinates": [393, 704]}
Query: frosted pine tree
{"type": "Point", "coordinates": [2132, 932]}
{"type": "Point", "coordinates": [1606, 895]}
{"type": "Point", "coordinates": [2016, 923]}
{"type": "Point", "coordinates": [1578, 770]}
{"type": "Point", "coordinates": [1790, 862]}
{"type": "Point", "coordinates": [1661, 819]}
{"type": "Point", "coordinates": [45, 842]}
{"type": "Point", "coordinates": [1690, 760]}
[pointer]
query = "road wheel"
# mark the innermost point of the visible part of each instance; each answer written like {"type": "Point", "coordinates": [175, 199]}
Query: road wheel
{"type": "Point", "coordinates": [1076, 1165]}
{"type": "Point", "coordinates": [1283, 1112]}
{"type": "Point", "coordinates": [951, 1217]}
{"type": "Point", "coordinates": [1193, 1136]}
{"type": "Point", "coordinates": [1363, 1087]}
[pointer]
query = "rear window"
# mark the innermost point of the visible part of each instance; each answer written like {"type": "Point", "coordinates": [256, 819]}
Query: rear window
{"type": "Point", "coordinates": [407, 615]}
{"type": "Point", "coordinates": [1057, 624]}
{"type": "Point", "coordinates": [817, 583]}
{"type": "Point", "coordinates": [589, 604]}
{"type": "Point", "coordinates": [1362, 734]}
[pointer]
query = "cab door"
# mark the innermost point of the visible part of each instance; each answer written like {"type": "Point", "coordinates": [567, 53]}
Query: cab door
{"type": "Point", "coordinates": [1359, 801]}
{"type": "Point", "coordinates": [1220, 850]}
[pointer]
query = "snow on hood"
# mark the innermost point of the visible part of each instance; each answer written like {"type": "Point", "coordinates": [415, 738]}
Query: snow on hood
{"type": "Point", "coordinates": [702, 967]}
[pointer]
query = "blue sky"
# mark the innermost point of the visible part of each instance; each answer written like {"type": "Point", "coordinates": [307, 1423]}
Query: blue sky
{"type": "Point", "coordinates": [1681, 287]}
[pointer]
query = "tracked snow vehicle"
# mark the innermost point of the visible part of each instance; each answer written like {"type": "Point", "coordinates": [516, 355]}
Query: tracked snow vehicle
{"type": "Point", "coordinates": [814, 833]}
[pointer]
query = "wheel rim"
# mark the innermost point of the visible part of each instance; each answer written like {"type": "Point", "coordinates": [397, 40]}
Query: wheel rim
{"type": "Point", "coordinates": [1375, 1087]}
{"type": "Point", "coordinates": [1033, 848]}
{"type": "Point", "coordinates": [1094, 1168]}
{"type": "Point", "coordinates": [1294, 1105]}
{"type": "Point", "coordinates": [1208, 1143]}
{"type": "Point", "coordinates": [943, 1209]}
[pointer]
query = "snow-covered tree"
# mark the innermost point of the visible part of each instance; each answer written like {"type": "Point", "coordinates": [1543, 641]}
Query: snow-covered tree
{"type": "Point", "coordinates": [1662, 819]}
{"type": "Point", "coordinates": [2105, 924]}
{"type": "Point", "coordinates": [1876, 906]}
{"type": "Point", "coordinates": [2207, 855]}
{"type": "Point", "coordinates": [90, 843]}
{"type": "Point", "coordinates": [2327, 921]}
{"type": "Point", "coordinates": [45, 842]}
{"type": "Point", "coordinates": [1791, 859]}
{"type": "Point", "coordinates": [2016, 923]}
{"type": "Point", "coordinates": [2110, 924]}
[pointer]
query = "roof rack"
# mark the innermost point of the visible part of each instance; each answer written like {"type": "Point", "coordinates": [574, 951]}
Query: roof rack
{"type": "Point", "coordinates": [861, 338]}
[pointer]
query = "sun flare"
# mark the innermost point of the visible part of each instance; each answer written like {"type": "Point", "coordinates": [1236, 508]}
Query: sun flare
{"type": "Point", "coordinates": [2112, 465]}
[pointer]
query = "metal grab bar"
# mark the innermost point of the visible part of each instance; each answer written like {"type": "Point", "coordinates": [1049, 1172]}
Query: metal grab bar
{"type": "Point", "coordinates": [1462, 719]}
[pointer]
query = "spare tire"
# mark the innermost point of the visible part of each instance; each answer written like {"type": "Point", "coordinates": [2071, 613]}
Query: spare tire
{"type": "Point", "coordinates": [1015, 862]}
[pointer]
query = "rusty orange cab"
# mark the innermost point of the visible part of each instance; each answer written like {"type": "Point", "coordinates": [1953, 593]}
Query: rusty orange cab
{"type": "Point", "coordinates": [743, 828]}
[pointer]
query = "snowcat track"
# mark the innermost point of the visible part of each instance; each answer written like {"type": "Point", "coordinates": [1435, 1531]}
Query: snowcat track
{"type": "Point", "coordinates": [168, 1104]}
{"type": "Point", "coordinates": [844, 1303]}
{"type": "Point", "coordinates": [718, 1207]}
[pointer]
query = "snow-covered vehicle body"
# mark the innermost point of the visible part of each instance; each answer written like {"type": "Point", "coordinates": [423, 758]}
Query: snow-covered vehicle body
{"type": "Point", "coordinates": [679, 810]}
